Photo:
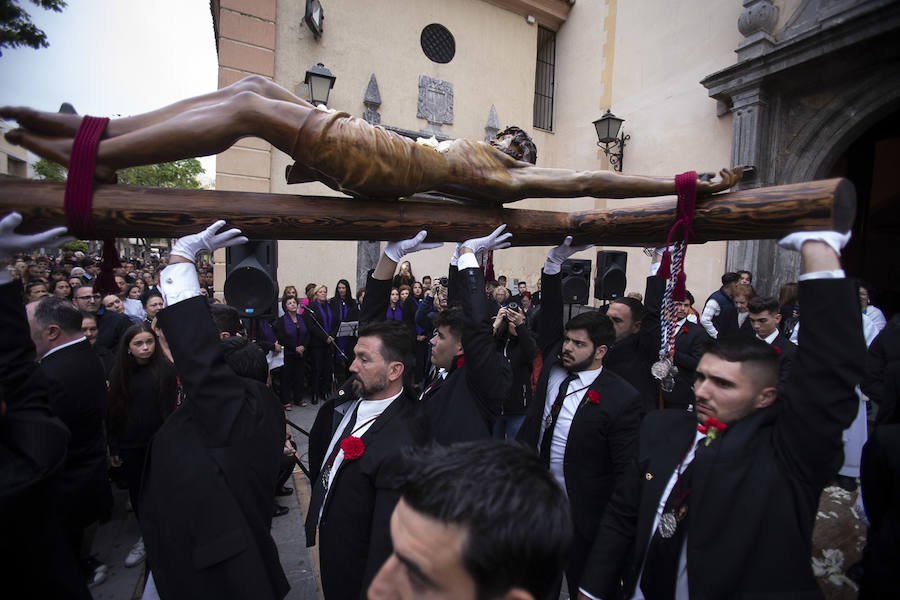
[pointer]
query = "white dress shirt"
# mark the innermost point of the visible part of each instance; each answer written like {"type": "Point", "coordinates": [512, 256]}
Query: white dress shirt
{"type": "Point", "coordinates": [577, 389]}
{"type": "Point", "coordinates": [60, 347]}
{"type": "Point", "coordinates": [368, 411]}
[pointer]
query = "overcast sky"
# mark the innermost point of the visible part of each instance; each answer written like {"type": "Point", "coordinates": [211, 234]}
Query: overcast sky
{"type": "Point", "coordinates": [114, 57]}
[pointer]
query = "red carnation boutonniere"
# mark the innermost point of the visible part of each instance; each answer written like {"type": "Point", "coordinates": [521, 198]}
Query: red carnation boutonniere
{"type": "Point", "coordinates": [353, 447]}
{"type": "Point", "coordinates": [777, 349]}
{"type": "Point", "coordinates": [460, 361]}
{"type": "Point", "coordinates": [592, 396]}
{"type": "Point", "coordinates": [684, 329]}
{"type": "Point", "coordinates": [712, 429]}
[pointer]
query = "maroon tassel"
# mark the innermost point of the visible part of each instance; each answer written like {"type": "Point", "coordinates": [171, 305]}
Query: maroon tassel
{"type": "Point", "coordinates": [665, 266]}
{"type": "Point", "coordinates": [109, 262]}
{"type": "Point", "coordinates": [679, 288]}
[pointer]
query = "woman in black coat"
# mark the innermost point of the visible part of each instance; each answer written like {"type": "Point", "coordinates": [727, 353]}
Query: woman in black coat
{"type": "Point", "coordinates": [292, 334]}
{"type": "Point", "coordinates": [345, 310]}
{"type": "Point", "coordinates": [518, 345]}
{"type": "Point", "coordinates": [323, 324]}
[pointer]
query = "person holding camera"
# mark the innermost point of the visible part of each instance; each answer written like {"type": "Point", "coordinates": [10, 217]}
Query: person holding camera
{"type": "Point", "coordinates": [519, 347]}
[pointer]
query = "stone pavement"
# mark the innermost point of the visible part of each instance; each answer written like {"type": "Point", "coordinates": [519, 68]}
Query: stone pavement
{"type": "Point", "coordinates": [115, 538]}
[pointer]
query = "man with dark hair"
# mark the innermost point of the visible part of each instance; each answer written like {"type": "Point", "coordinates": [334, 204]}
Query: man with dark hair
{"type": "Point", "coordinates": [353, 457]}
{"type": "Point", "coordinates": [718, 301]}
{"type": "Point", "coordinates": [78, 398]}
{"type": "Point", "coordinates": [721, 503]}
{"type": "Point", "coordinates": [745, 277]}
{"type": "Point", "coordinates": [111, 325]}
{"type": "Point", "coordinates": [426, 283]}
{"type": "Point", "coordinates": [637, 342]}
{"type": "Point", "coordinates": [463, 396]}
{"type": "Point", "coordinates": [212, 467]}
{"type": "Point", "coordinates": [690, 341]}
{"type": "Point", "coordinates": [227, 320]}
{"type": "Point", "coordinates": [584, 418]}
{"type": "Point", "coordinates": [764, 317]}
{"type": "Point", "coordinates": [478, 520]}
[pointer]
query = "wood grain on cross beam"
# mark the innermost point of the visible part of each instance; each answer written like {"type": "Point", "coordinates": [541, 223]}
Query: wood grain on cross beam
{"type": "Point", "coordinates": [125, 211]}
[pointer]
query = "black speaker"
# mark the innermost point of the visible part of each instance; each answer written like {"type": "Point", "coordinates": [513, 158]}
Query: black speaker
{"type": "Point", "coordinates": [576, 280]}
{"type": "Point", "coordinates": [250, 278]}
{"type": "Point", "coordinates": [610, 282]}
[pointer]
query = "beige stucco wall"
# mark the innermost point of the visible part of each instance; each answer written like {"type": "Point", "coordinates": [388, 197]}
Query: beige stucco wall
{"type": "Point", "coordinates": [662, 50]}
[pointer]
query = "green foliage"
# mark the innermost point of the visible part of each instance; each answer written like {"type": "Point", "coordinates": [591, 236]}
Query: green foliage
{"type": "Point", "coordinates": [49, 170]}
{"type": "Point", "coordinates": [179, 174]}
{"type": "Point", "coordinates": [75, 246]}
{"type": "Point", "coordinates": [16, 28]}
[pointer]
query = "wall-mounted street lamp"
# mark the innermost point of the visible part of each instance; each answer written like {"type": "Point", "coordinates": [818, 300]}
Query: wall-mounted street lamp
{"type": "Point", "coordinates": [607, 128]}
{"type": "Point", "coordinates": [320, 81]}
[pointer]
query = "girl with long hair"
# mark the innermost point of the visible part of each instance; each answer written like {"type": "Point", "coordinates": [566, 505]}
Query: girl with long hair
{"type": "Point", "coordinates": [142, 393]}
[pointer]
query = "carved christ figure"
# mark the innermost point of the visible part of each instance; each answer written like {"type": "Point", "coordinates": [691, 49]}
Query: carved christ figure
{"type": "Point", "coordinates": [341, 151]}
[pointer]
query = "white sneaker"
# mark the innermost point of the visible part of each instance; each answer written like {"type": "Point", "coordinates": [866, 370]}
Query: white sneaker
{"type": "Point", "coordinates": [136, 555]}
{"type": "Point", "coordinates": [98, 576]}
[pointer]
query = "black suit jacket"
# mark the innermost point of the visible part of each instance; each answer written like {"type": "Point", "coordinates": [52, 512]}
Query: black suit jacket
{"type": "Point", "coordinates": [755, 490]}
{"type": "Point", "coordinates": [631, 358]}
{"type": "Point", "coordinates": [34, 547]}
{"type": "Point", "coordinates": [883, 352]}
{"type": "Point", "coordinates": [602, 440]}
{"type": "Point", "coordinates": [110, 328]}
{"type": "Point", "coordinates": [787, 351]}
{"type": "Point", "coordinates": [728, 324]}
{"type": "Point", "coordinates": [690, 341]}
{"type": "Point", "coordinates": [78, 397]}
{"type": "Point", "coordinates": [210, 472]}
{"type": "Point", "coordinates": [463, 406]}
{"type": "Point", "coordinates": [354, 536]}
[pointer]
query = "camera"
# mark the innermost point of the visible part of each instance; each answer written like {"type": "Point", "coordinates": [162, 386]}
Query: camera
{"type": "Point", "coordinates": [513, 306]}
{"type": "Point", "coordinates": [444, 281]}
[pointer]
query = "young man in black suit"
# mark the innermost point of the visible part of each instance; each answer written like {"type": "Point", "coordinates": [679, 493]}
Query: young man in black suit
{"type": "Point", "coordinates": [212, 467]}
{"type": "Point", "coordinates": [764, 317]}
{"type": "Point", "coordinates": [463, 396]}
{"type": "Point", "coordinates": [690, 341]}
{"type": "Point", "coordinates": [721, 503]}
{"type": "Point", "coordinates": [584, 418]}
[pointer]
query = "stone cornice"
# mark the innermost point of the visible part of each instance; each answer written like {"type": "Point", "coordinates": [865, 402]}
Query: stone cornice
{"type": "Point", "coordinates": [810, 45]}
{"type": "Point", "coordinates": [550, 13]}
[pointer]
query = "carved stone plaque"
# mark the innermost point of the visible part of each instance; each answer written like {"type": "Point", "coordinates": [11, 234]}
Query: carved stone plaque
{"type": "Point", "coordinates": [435, 103]}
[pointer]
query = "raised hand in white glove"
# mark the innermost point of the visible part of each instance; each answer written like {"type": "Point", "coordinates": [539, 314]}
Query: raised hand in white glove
{"type": "Point", "coordinates": [796, 240]}
{"type": "Point", "coordinates": [12, 242]}
{"type": "Point", "coordinates": [397, 250]}
{"type": "Point", "coordinates": [497, 240]}
{"type": "Point", "coordinates": [208, 239]}
{"type": "Point", "coordinates": [557, 255]}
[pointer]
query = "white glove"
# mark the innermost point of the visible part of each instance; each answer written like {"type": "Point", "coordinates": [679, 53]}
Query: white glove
{"type": "Point", "coordinates": [11, 242]}
{"type": "Point", "coordinates": [397, 250]}
{"type": "Point", "coordinates": [557, 255]}
{"type": "Point", "coordinates": [497, 240]}
{"type": "Point", "coordinates": [188, 246]}
{"type": "Point", "coordinates": [796, 240]}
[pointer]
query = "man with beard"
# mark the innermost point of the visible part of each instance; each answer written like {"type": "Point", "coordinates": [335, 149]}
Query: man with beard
{"type": "Point", "coordinates": [353, 457]}
{"type": "Point", "coordinates": [584, 418]}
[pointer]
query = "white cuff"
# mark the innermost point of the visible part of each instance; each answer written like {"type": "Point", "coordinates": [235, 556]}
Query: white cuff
{"type": "Point", "coordinates": [178, 282]}
{"type": "Point", "coordinates": [588, 594]}
{"type": "Point", "coordinates": [552, 268]}
{"type": "Point", "coordinates": [834, 274]}
{"type": "Point", "coordinates": [468, 261]}
{"type": "Point", "coordinates": [654, 267]}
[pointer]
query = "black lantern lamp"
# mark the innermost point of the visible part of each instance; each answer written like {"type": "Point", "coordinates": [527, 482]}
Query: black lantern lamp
{"type": "Point", "coordinates": [608, 137]}
{"type": "Point", "coordinates": [320, 81]}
